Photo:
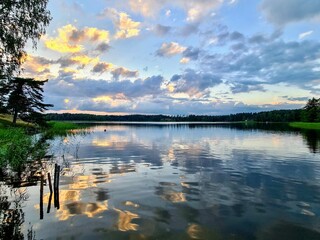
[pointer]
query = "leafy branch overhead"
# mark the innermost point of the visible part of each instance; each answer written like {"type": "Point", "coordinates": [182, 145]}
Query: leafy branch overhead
{"type": "Point", "coordinates": [20, 21]}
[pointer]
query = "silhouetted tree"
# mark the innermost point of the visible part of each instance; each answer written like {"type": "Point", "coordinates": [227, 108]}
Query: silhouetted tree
{"type": "Point", "coordinates": [23, 97]}
{"type": "Point", "coordinates": [311, 112]}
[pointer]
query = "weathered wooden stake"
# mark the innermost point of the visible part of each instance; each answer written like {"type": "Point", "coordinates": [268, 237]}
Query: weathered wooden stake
{"type": "Point", "coordinates": [50, 197]}
{"type": "Point", "coordinates": [41, 196]}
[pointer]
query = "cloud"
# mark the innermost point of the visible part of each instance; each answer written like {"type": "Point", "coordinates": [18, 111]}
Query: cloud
{"type": "Point", "coordinates": [254, 66]}
{"type": "Point", "coordinates": [84, 60]}
{"type": "Point", "coordinates": [195, 84]}
{"type": "Point", "coordinates": [162, 30]}
{"type": "Point", "coordinates": [125, 26]}
{"type": "Point", "coordinates": [305, 34]}
{"type": "Point", "coordinates": [38, 67]}
{"type": "Point", "coordinates": [246, 86]}
{"type": "Point", "coordinates": [284, 12]}
{"type": "Point", "coordinates": [195, 9]}
{"type": "Point", "coordinates": [102, 67]}
{"type": "Point", "coordinates": [184, 60]}
{"type": "Point", "coordinates": [63, 85]}
{"type": "Point", "coordinates": [170, 49]}
{"type": "Point", "coordinates": [123, 72]}
{"type": "Point", "coordinates": [102, 47]}
{"type": "Point", "coordinates": [189, 29]}
{"type": "Point", "coordinates": [302, 99]}
{"type": "Point", "coordinates": [191, 53]}
{"type": "Point", "coordinates": [71, 40]}
{"type": "Point", "coordinates": [81, 60]}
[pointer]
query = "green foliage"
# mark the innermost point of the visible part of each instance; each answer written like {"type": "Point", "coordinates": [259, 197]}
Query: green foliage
{"type": "Point", "coordinates": [311, 112]}
{"type": "Point", "coordinates": [15, 147]}
{"type": "Point", "coordinates": [20, 21]}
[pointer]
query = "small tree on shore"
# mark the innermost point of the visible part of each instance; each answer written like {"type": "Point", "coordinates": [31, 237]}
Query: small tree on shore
{"type": "Point", "coordinates": [24, 98]}
{"type": "Point", "coordinates": [311, 112]}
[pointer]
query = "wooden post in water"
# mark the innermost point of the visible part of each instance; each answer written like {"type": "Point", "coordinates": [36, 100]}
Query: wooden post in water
{"type": "Point", "coordinates": [50, 197]}
{"type": "Point", "coordinates": [41, 195]}
{"type": "Point", "coordinates": [57, 190]}
{"type": "Point", "coordinates": [56, 185]}
{"type": "Point", "coordinates": [50, 184]}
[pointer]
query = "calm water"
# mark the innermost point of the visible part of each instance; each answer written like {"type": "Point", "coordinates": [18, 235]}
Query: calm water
{"type": "Point", "coordinates": [174, 182]}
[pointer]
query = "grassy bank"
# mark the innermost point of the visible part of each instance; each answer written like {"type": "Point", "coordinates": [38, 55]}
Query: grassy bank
{"type": "Point", "coordinates": [17, 146]}
{"type": "Point", "coordinates": [18, 143]}
{"type": "Point", "coordinates": [6, 121]}
{"type": "Point", "coordinates": [305, 125]}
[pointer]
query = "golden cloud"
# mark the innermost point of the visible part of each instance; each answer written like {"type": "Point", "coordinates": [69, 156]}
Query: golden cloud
{"type": "Point", "coordinates": [70, 39]}
{"type": "Point", "coordinates": [84, 59]}
{"type": "Point", "coordinates": [125, 26]}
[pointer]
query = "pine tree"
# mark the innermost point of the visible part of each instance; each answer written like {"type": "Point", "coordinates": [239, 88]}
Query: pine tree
{"type": "Point", "coordinates": [23, 98]}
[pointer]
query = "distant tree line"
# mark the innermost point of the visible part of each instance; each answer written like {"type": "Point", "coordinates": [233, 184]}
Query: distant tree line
{"type": "Point", "coordinates": [310, 113]}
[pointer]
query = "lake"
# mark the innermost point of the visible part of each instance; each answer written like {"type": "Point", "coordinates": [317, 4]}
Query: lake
{"type": "Point", "coordinates": [173, 181]}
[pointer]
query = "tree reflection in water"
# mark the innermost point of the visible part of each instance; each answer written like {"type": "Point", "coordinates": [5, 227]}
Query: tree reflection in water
{"type": "Point", "coordinates": [11, 214]}
{"type": "Point", "coordinates": [13, 193]}
{"type": "Point", "coordinates": [312, 140]}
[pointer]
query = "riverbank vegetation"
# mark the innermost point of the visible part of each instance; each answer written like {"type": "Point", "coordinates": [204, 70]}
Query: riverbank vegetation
{"type": "Point", "coordinates": [22, 142]}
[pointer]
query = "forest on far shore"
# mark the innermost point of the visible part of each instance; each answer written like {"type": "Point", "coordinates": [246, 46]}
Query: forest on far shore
{"type": "Point", "coordinates": [310, 113]}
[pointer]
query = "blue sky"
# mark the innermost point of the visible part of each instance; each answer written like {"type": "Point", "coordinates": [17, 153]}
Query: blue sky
{"type": "Point", "coordinates": [179, 57]}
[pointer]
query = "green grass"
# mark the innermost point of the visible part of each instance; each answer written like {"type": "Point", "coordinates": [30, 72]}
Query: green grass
{"type": "Point", "coordinates": [61, 128]}
{"type": "Point", "coordinates": [17, 143]}
{"type": "Point", "coordinates": [305, 125]}
{"type": "Point", "coordinates": [58, 126]}
{"type": "Point", "coordinates": [16, 146]}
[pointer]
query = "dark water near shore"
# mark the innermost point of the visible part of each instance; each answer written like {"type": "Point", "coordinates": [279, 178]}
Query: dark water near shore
{"type": "Point", "coordinates": [150, 181]}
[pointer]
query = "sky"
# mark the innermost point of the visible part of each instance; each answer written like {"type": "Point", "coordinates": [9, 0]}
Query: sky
{"type": "Point", "coordinates": [178, 57]}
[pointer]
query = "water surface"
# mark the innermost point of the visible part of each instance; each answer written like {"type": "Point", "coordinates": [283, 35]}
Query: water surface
{"type": "Point", "coordinates": [185, 181]}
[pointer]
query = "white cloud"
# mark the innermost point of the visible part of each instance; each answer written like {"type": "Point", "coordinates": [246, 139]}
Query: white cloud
{"type": "Point", "coordinates": [184, 60]}
{"type": "Point", "coordinates": [195, 9]}
{"type": "Point", "coordinates": [305, 34]}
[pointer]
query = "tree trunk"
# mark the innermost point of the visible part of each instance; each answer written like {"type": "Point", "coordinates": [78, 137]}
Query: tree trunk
{"type": "Point", "coordinates": [15, 116]}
